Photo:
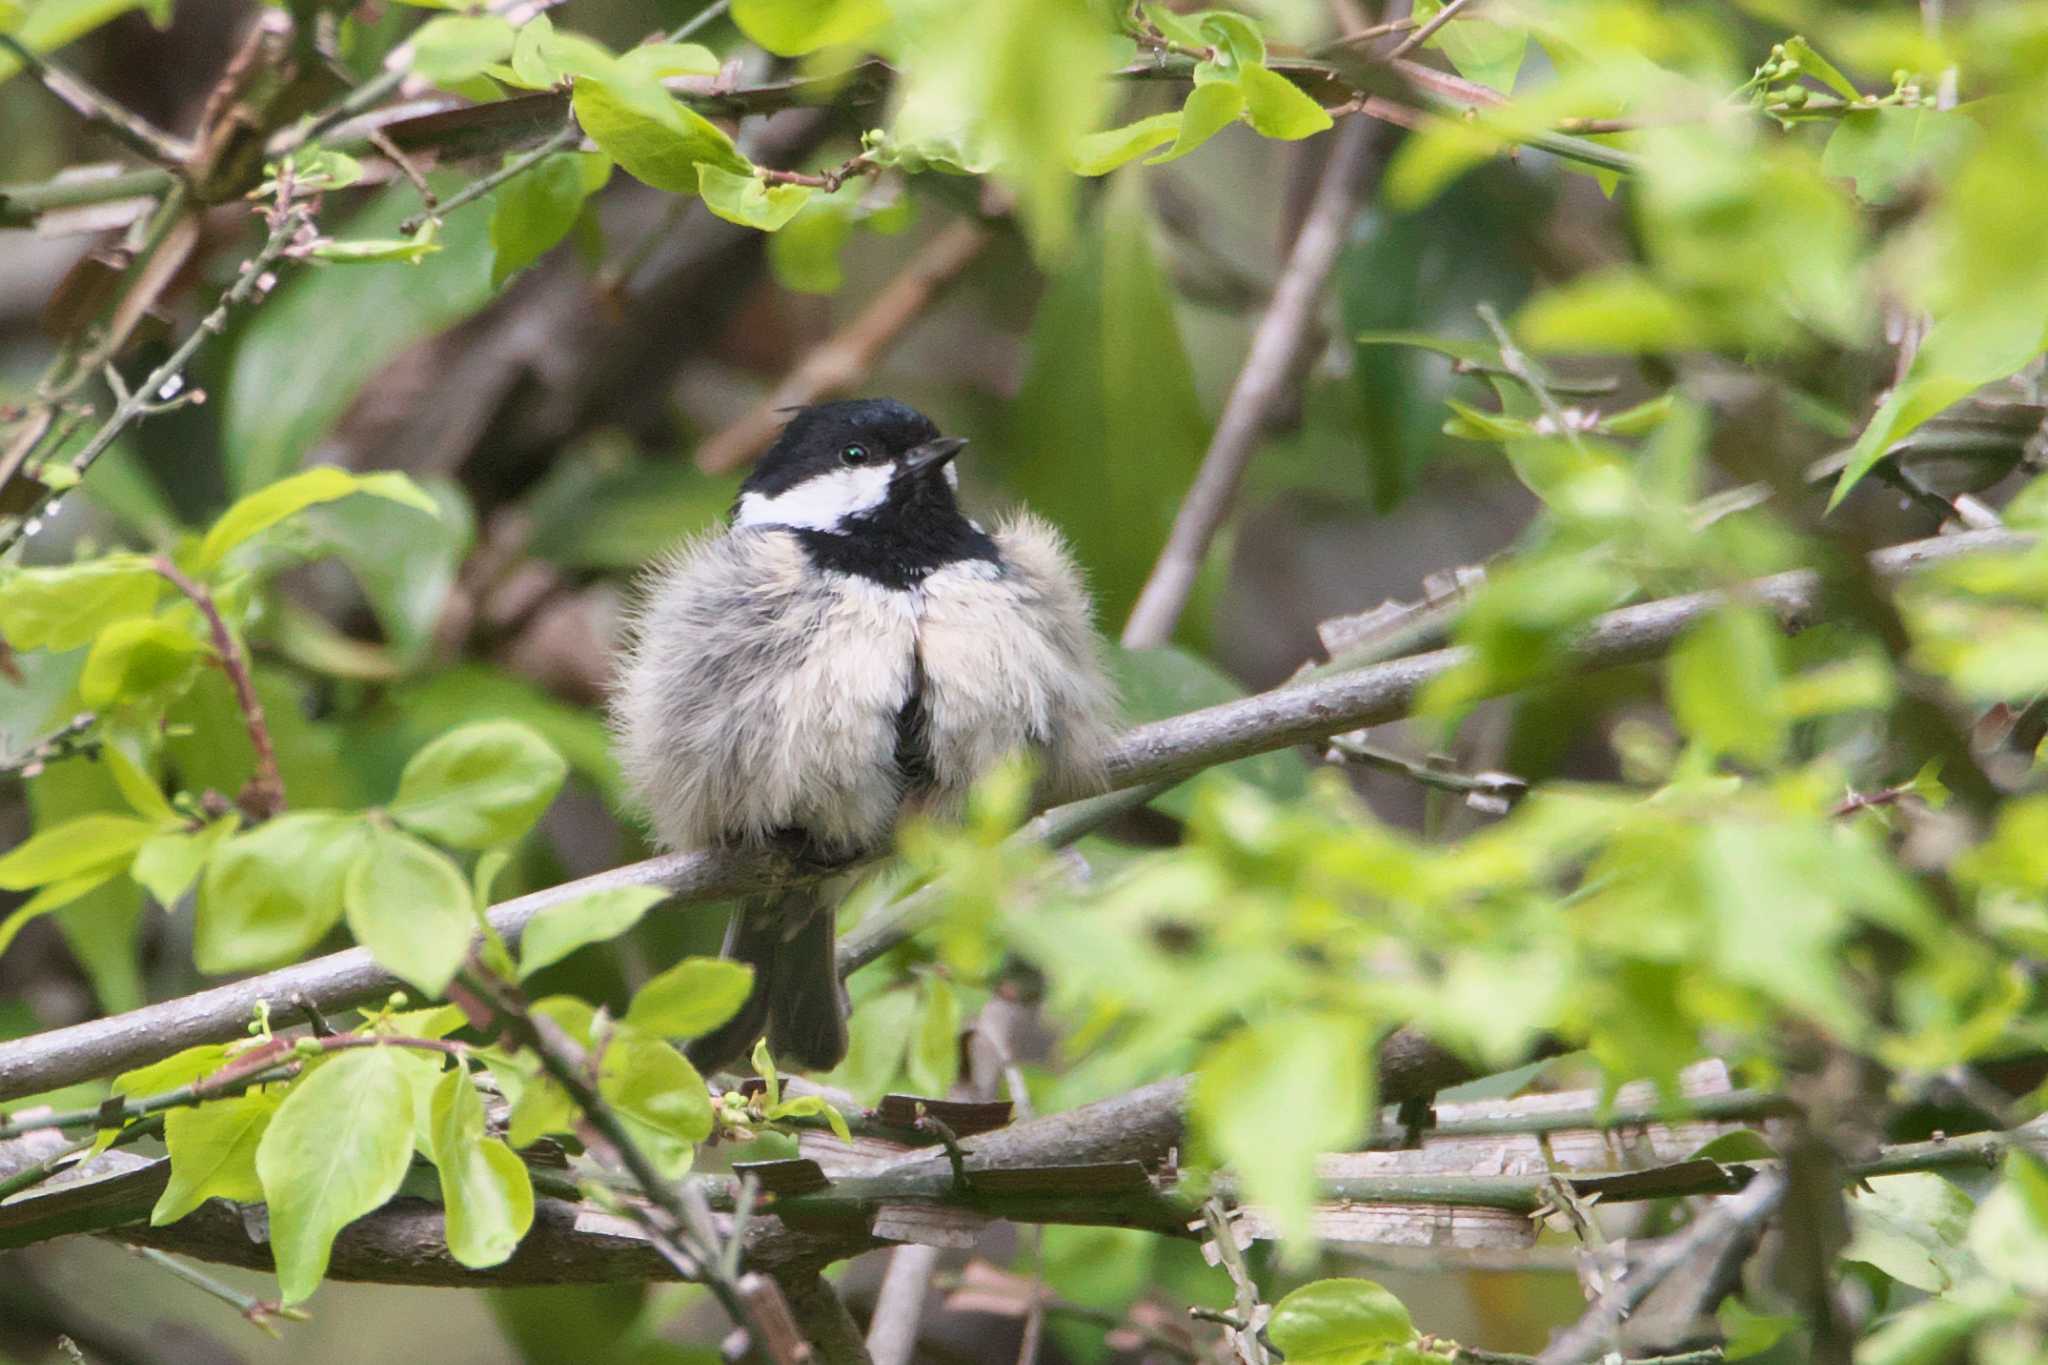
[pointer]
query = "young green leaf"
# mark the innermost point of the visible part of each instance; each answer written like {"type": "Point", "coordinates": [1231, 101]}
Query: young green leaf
{"type": "Point", "coordinates": [658, 1095]}
{"type": "Point", "coordinates": [169, 863]}
{"type": "Point", "coordinates": [1277, 108]}
{"type": "Point", "coordinates": [213, 1153]}
{"type": "Point", "coordinates": [659, 61]}
{"type": "Point", "coordinates": [409, 905]}
{"type": "Point", "coordinates": [138, 788]}
{"type": "Point", "coordinates": [479, 785]}
{"type": "Point", "coordinates": [1339, 1322]}
{"type": "Point", "coordinates": [790, 28]}
{"type": "Point", "coordinates": [691, 998]}
{"type": "Point", "coordinates": [451, 50]}
{"type": "Point", "coordinates": [273, 892]}
{"type": "Point", "coordinates": [535, 210]}
{"type": "Point", "coordinates": [560, 930]}
{"type": "Point", "coordinates": [812, 1106]}
{"type": "Point", "coordinates": [764, 1067]}
{"type": "Point", "coordinates": [1723, 681]}
{"type": "Point", "coordinates": [336, 1149]}
{"type": "Point", "coordinates": [655, 137]}
{"type": "Point", "coordinates": [1208, 111]}
{"type": "Point", "coordinates": [265, 508]}
{"type": "Point", "coordinates": [54, 896]}
{"type": "Point", "coordinates": [63, 608]}
{"type": "Point", "coordinates": [86, 844]}
{"type": "Point", "coordinates": [485, 1188]}
{"type": "Point", "coordinates": [142, 657]}
{"type": "Point", "coordinates": [934, 1058]}
{"type": "Point", "coordinates": [1101, 153]}
{"type": "Point", "coordinates": [424, 242]}
{"type": "Point", "coordinates": [749, 200]}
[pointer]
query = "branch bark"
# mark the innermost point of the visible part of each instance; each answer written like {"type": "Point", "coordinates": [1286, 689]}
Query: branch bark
{"type": "Point", "coordinates": [1162, 751]}
{"type": "Point", "coordinates": [1271, 367]}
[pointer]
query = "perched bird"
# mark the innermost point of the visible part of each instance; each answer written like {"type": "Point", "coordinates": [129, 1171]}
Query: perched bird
{"type": "Point", "coordinates": [849, 647]}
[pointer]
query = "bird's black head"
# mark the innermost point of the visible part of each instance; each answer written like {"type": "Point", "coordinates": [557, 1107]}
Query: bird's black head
{"type": "Point", "coordinates": [868, 486]}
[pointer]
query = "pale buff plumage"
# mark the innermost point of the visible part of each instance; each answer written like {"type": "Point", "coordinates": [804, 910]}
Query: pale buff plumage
{"type": "Point", "coordinates": [727, 734]}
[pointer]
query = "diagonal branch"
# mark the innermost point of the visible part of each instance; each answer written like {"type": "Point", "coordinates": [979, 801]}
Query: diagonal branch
{"type": "Point", "coordinates": [1277, 349]}
{"type": "Point", "coordinates": [1163, 751]}
{"type": "Point", "coordinates": [131, 129]}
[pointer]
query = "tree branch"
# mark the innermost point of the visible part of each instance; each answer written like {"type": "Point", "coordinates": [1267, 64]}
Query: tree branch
{"type": "Point", "coordinates": [1269, 370]}
{"type": "Point", "coordinates": [263, 798]}
{"type": "Point", "coordinates": [1163, 751]}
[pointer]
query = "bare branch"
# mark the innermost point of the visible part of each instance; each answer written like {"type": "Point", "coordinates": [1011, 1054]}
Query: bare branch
{"type": "Point", "coordinates": [131, 129]}
{"type": "Point", "coordinates": [263, 798]}
{"type": "Point", "coordinates": [1275, 359]}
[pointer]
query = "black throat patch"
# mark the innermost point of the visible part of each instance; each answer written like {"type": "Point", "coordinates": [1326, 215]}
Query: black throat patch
{"type": "Point", "coordinates": [917, 530]}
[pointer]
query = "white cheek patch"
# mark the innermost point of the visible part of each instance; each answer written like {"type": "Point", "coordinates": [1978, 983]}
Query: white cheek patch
{"type": "Point", "coordinates": [819, 504]}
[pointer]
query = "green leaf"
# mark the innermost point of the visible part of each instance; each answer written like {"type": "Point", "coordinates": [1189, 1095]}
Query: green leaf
{"type": "Point", "coordinates": [812, 1106]}
{"type": "Point", "coordinates": [1750, 1333]}
{"type": "Point", "coordinates": [54, 896]}
{"type": "Point", "coordinates": [1108, 372]}
{"type": "Point", "coordinates": [2010, 1231]}
{"type": "Point", "coordinates": [485, 1188]}
{"type": "Point", "coordinates": [174, 1072]}
{"type": "Point", "coordinates": [1278, 108]}
{"type": "Point", "coordinates": [337, 1149]}
{"type": "Point", "coordinates": [1101, 153]}
{"type": "Point", "coordinates": [271, 893]}
{"type": "Point", "coordinates": [1723, 681]}
{"type": "Point", "coordinates": [1209, 110]}
{"type": "Point", "coordinates": [805, 254]}
{"type": "Point", "coordinates": [536, 208]}
{"type": "Point", "coordinates": [1814, 64]}
{"type": "Point", "coordinates": [934, 1058]}
{"type": "Point", "coordinates": [542, 58]}
{"type": "Point", "coordinates": [481, 785]}
{"type": "Point", "coordinates": [749, 200]}
{"type": "Point", "coordinates": [560, 930]}
{"type": "Point", "coordinates": [1481, 50]}
{"type": "Point", "coordinates": [1619, 310]}
{"type": "Point", "coordinates": [1270, 1098]}
{"type": "Point", "coordinates": [409, 905]}
{"type": "Point", "coordinates": [1236, 37]}
{"type": "Point", "coordinates": [1885, 148]}
{"type": "Point", "coordinates": [142, 657]}
{"type": "Point", "coordinates": [264, 509]}
{"type": "Point", "coordinates": [656, 138]}
{"type": "Point", "coordinates": [658, 1095]}
{"type": "Point", "coordinates": [693, 997]}
{"type": "Point", "coordinates": [424, 242]}
{"type": "Point", "coordinates": [300, 360]}
{"type": "Point", "coordinates": [790, 28]}
{"type": "Point", "coordinates": [1339, 1322]}
{"type": "Point", "coordinates": [169, 863]}
{"type": "Point", "coordinates": [50, 24]}
{"type": "Point", "coordinates": [406, 567]}
{"type": "Point", "coordinates": [1912, 1228]}
{"type": "Point", "coordinates": [213, 1153]}
{"type": "Point", "coordinates": [764, 1066]}
{"type": "Point", "coordinates": [659, 61]}
{"type": "Point", "coordinates": [877, 1030]}
{"type": "Point", "coordinates": [87, 844]}
{"type": "Point", "coordinates": [63, 608]}
{"type": "Point", "coordinates": [136, 786]}
{"type": "Point", "coordinates": [451, 50]}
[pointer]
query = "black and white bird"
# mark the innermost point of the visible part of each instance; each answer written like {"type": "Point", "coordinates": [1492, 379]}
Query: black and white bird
{"type": "Point", "coordinates": [849, 647]}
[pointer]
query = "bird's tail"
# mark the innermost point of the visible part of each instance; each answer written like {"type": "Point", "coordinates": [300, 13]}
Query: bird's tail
{"type": "Point", "coordinates": [790, 940]}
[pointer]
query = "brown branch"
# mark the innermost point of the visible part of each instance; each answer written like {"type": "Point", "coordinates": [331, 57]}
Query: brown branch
{"type": "Point", "coordinates": [263, 798]}
{"type": "Point", "coordinates": [840, 362]}
{"type": "Point", "coordinates": [829, 181]}
{"type": "Point", "coordinates": [1427, 31]}
{"type": "Point", "coordinates": [1269, 369]}
{"type": "Point", "coordinates": [1163, 751]}
{"type": "Point", "coordinates": [98, 110]}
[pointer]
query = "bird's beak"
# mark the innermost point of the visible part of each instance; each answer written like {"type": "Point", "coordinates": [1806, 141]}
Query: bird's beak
{"type": "Point", "coordinates": [932, 456]}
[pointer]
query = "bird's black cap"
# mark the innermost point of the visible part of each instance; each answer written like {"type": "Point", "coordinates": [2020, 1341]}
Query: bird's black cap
{"type": "Point", "coordinates": [816, 438]}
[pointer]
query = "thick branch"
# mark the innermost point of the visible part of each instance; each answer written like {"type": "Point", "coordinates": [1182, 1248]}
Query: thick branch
{"type": "Point", "coordinates": [1163, 751]}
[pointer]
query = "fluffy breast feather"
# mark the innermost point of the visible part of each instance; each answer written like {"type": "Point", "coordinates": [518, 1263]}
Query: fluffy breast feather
{"type": "Point", "coordinates": [1012, 661]}
{"type": "Point", "coordinates": [756, 696]}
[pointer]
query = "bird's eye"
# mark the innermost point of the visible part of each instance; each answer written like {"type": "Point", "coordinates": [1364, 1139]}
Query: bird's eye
{"type": "Point", "coordinates": [855, 455]}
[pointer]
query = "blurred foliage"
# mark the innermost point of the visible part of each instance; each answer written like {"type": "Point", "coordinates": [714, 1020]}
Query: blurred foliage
{"type": "Point", "coordinates": [1728, 239]}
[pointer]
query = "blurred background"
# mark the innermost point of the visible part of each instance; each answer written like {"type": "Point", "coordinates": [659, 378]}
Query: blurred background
{"type": "Point", "coordinates": [565, 419]}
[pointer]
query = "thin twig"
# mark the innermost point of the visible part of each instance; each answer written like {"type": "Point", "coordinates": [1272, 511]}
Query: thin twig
{"type": "Point", "coordinates": [126, 126]}
{"type": "Point", "coordinates": [1427, 31]}
{"type": "Point", "coordinates": [261, 1313]}
{"type": "Point", "coordinates": [829, 181]}
{"type": "Point", "coordinates": [476, 189]}
{"type": "Point", "coordinates": [841, 361]}
{"type": "Point", "coordinates": [1276, 351]}
{"type": "Point", "coordinates": [1244, 1332]}
{"type": "Point", "coordinates": [263, 797]}
{"type": "Point", "coordinates": [1503, 789]}
{"type": "Point", "coordinates": [702, 19]}
{"type": "Point", "coordinates": [1363, 35]}
{"type": "Point", "coordinates": [254, 280]}
{"type": "Point", "coordinates": [381, 140]}
{"type": "Point", "coordinates": [72, 738]}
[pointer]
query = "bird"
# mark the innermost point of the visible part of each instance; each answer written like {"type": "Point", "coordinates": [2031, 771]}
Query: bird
{"type": "Point", "coordinates": [849, 647]}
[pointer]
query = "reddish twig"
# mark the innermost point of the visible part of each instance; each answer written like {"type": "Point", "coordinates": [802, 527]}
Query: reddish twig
{"type": "Point", "coordinates": [828, 181]}
{"type": "Point", "coordinates": [263, 797]}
